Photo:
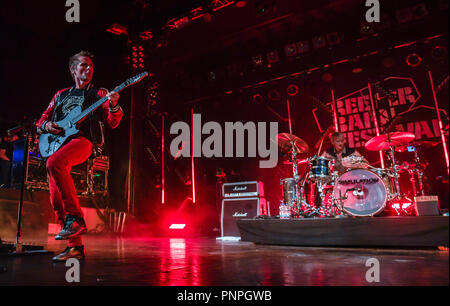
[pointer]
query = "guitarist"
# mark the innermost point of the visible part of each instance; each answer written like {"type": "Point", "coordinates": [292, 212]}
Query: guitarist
{"type": "Point", "coordinates": [77, 149]}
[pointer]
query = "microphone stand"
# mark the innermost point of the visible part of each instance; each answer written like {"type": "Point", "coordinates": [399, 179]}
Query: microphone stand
{"type": "Point", "coordinates": [19, 249]}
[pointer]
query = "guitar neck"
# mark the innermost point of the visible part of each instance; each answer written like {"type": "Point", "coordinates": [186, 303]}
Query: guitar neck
{"type": "Point", "coordinates": [94, 106]}
{"type": "Point", "coordinates": [119, 88]}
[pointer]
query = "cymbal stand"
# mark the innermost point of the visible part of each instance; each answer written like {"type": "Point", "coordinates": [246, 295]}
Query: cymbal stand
{"type": "Point", "coordinates": [294, 162]}
{"type": "Point", "coordinates": [398, 193]}
{"type": "Point", "coordinates": [419, 172]}
{"type": "Point", "coordinates": [307, 209]}
{"type": "Point", "coordinates": [323, 210]}
{"type": "Point", "coordinates": [398, 196]}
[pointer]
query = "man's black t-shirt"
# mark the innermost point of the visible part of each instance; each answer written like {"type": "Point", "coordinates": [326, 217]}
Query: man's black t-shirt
{"type": "Point", "coordinates": [77, 97]}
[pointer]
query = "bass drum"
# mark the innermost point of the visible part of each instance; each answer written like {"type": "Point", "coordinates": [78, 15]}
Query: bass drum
{"type": "Point", "coordinates": [360, 193]}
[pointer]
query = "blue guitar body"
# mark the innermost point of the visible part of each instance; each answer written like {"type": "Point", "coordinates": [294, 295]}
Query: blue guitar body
{"type": "Point", "coordinates": [50, 143]}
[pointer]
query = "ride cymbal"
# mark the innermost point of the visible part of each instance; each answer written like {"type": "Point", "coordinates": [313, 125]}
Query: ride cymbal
{"type": "Point", "coordinates": [385, 141]}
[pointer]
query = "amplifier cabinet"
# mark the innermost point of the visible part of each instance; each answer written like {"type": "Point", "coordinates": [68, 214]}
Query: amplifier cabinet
{"type": "Point", "coordinates": [235, 209]}
{"type": "Point", "coordinates": [243, 189]}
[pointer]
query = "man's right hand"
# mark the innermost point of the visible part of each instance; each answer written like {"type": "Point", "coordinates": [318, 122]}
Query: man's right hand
{"type": "Point", "coordinates": [52, 128]}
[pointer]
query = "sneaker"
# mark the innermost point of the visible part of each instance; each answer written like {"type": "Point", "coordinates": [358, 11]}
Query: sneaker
{"type": "Point", "coordinates": [73, 227]}
{"type": "Point", "coordinates": [70, 252]}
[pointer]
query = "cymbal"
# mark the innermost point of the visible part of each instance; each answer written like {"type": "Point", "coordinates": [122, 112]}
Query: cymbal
{"type": "Point", "coordinates": [299, 161]}
{"type": "Point", "coordinates": [385, 141]}
{"type": "Point", "coordinates": [423, 144]}
{"type": "Point", "coordinates": [286, 140]}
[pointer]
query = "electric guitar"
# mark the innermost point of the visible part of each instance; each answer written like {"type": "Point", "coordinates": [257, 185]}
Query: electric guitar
{"type": "Point", "coordinates": [50, 143]}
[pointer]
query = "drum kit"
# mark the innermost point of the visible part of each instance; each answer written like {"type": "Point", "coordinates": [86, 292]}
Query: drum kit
{"type": "Point", "coordinates": [359, 191]}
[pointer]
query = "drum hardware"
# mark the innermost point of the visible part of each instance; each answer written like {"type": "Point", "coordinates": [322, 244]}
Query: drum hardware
{"type": "Point", "coordinates": [388, 142]}
{"type": "Point", "coordinates": [292, 145]}
{"type": "Point", "coordinates": [418, 167]}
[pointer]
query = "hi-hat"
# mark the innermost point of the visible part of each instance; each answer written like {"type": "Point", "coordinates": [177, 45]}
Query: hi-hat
{"type": "Point", "coordinates": [385, 141]}
{"type": "Point", "coordinates": [288, 141]}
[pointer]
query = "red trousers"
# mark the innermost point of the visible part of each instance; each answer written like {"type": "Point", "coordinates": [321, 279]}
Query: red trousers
{"type": "Point", "coordinates": [63, 195]}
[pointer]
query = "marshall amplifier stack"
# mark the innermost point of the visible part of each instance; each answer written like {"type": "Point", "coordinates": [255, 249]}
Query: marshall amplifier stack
{"type": "Point", "coordinates": [242, 200]}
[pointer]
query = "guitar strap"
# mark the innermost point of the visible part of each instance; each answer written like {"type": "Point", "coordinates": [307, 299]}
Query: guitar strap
{"type": "Point", "coordinates": [96, 126]}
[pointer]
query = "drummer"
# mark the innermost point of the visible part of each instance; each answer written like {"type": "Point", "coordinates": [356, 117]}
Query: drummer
{"type": "Point", "coordinates": [341, 153]}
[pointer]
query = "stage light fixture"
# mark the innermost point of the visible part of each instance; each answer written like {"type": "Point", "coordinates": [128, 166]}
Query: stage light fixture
{"type": "Point", "coordinates": [319, 42]}
{"type": "Point", "coordinates": [272, 57]}
{"type": "Point", "coordinates": [274, 95]}
{"type": "Point", "coordinates": [117, 29]}
{"type": "Point", "coordinates": [257, 61]}
{"type": "Point", "coordinates": [366, 28]}
{"type": "Point", "coordinates": [211, 76]}
{"type": "Point", "coordinates": [258, 98]}
{"type": "Point", "coordinates": [388, 62]}
{"type": "Point", "coordinates": [137, 56]}
{"type": "Point", "coordinates": [404, 15]}
{"type": "Point", "coordinates": [333, 38]}
{"type": "Point", "coordinates": [356, 65]}
{"type": "Point", "coordinates": [290, 50]}
{"type": "Point", "coordinates": [303, 46]}
{"type": "Point", "coordinates": [292, 90]}
{"type": "Point", "coordinates": [419, 11]}
{"type": "Point", "coordinates": [146, 35]}
{"type": "Point", "coordinates": [264, 7]}
{"type": "Point", "coordinates": [241, 3]}
{"type": "Point", "coordinates": [413, 60]}
{"type": "Point", "coordinates": [439, 52]}
{"type": "Point", "coordinates": [385, 23]}
{"type": "Point", "coordinates": [327, 77]}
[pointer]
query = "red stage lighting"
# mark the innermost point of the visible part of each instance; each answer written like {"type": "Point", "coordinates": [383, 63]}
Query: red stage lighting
{"type": "Point", "coordinates": [272, 57]}
{"type": "Point", "coordinates": [402, 207]}
{"type": "Point", "coordinates": [117, 29]}
{"type": "Point", "coordinates": [292, 90]}
{"type": "Point", "coordinates": [241, 3]}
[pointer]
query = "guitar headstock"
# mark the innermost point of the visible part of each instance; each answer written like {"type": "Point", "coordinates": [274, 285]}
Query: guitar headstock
{"type": "Point", "coordinates": [131, 81]}
{"type": "Point", "coordinates": [136, 78]}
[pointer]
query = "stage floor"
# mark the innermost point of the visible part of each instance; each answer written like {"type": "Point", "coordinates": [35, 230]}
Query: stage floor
{"type": "Point", "coordinates": [208, 262]}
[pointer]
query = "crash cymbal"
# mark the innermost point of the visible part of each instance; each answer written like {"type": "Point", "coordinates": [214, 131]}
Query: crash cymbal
{"type": "Point", "coordinates": [423, 144]}
{"type": "Point", "coordinates": [385, 141]}
{"type": "Point", "coordinates": [286, 140]}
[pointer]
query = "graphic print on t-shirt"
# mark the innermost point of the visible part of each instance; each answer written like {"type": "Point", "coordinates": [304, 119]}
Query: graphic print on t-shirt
{"type": "Point", "coordinates": [71, 102]}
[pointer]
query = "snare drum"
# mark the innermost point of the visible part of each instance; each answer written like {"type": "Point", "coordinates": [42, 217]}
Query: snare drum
{"type": "Point", "coordinates": [360, 192]}
{"type": "Point", "coordinates": [321, 169]}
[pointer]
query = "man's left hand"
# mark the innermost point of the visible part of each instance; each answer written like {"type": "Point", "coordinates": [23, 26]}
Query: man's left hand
{"type": "Point", "coordinates": [113, 97]}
